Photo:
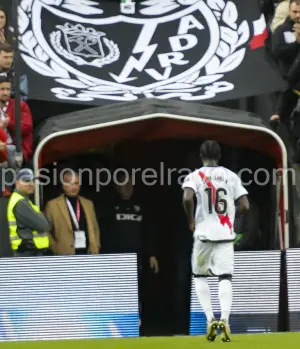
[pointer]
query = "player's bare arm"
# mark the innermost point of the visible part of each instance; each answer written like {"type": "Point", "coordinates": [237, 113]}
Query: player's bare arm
{"type": "Point", "coordinates": [189, 206]}
{"type": "Point", "coordinates": [243, 204]}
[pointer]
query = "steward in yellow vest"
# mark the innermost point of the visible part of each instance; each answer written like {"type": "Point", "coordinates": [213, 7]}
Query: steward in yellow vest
{"type": "Point", "coordinates": [28, 228]}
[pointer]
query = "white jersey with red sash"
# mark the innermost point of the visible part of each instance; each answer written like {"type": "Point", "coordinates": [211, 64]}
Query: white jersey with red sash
{"type": "Point", "coordinates": [216, 188]}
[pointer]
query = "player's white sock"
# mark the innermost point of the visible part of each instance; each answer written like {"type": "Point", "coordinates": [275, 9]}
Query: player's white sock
{"type": "Point", "coordinates": [203, 294]}
{"type": "Point", "coordinates": [225, 297]}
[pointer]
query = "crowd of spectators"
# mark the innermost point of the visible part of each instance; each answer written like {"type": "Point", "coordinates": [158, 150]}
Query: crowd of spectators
{"type": "Point", "coordinates": [285, 43]}
{"type": "Point", "coordinates": [285, 47]}
{"type": "Point", "coordinates": [10, 156]}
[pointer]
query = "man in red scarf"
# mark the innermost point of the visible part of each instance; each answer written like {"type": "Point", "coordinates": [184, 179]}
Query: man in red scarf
{"type": "Point", "coordinates": [7, 118]}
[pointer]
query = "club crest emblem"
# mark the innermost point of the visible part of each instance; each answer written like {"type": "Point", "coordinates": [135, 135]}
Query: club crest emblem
{"type": "Point", "coordinates": [166, 49]}
{"type": "Point", "coordinates": [84, 46]}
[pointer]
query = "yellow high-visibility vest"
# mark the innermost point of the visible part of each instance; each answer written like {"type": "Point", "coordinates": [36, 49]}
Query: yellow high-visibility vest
{"type": "Point", "coordinates": [41, 240]}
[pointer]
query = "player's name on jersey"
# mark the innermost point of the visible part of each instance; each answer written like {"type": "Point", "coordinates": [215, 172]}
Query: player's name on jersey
{"type": "Point", "coordinates": [217, 178]}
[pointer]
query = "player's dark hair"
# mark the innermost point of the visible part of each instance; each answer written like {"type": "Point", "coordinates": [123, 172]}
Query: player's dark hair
{"type": "Point", "coordinates": [210, 150]}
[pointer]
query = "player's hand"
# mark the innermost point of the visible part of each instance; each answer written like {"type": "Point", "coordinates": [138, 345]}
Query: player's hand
{"type": "Point", "coordinates": [154, 264]}
{"type": "Point", "coordinates": [192, 226]}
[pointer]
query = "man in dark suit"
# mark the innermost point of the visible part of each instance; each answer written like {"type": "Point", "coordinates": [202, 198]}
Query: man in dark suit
{"type": "Point", "coordinates": [129, 229]}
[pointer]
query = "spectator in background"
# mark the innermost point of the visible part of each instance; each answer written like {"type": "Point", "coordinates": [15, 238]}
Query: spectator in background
{"type": "Point", "coordinates": [281, 14]}
{"type": "Point", "coordinates": [5, 30]}
{"type": "Point", "coordinates": [7, 115]}
{"type": "Point", "coordinates": [286, 46]}
{"type": "Point", "coordinates": [75, 228]}
{"type": "Point", "coordinates": [7, 154]}
{"type": "Point", "coordinates": [6, 69]}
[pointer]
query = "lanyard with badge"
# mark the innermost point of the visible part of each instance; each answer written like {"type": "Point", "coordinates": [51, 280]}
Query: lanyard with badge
{"type": "Point", "coordinates": [80, 238]}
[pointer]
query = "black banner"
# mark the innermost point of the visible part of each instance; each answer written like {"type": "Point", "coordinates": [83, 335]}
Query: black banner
{"type": "Point", "coordinates": [192, 50]}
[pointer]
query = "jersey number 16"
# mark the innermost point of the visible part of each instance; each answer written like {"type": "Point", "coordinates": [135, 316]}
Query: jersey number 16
{"type": "Point", "coordinates": [220, 203]}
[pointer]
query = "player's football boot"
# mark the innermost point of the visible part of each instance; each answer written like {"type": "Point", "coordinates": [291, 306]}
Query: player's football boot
{"type": "Point", "coordinates": [212, 330]}
{"type": "Point", "coordinates": [225, 330]}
